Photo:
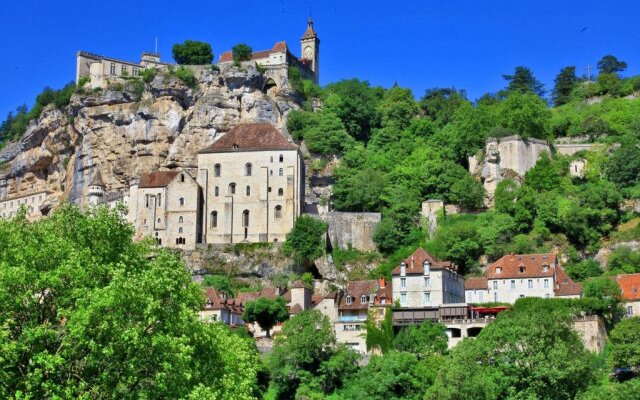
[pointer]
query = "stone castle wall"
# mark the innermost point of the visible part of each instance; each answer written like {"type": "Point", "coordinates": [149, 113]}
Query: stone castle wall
{"type": "Point", "coordinates": [351, 229]}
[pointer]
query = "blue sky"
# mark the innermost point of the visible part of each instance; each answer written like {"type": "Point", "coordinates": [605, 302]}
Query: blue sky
{"type": "Point", "coordinates": [419, 44]}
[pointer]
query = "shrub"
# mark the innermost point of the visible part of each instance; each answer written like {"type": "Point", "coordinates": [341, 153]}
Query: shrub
{"type": "Point", "coordinates": [137, 88]}
{"type": "Point", "coordinates": [295, 80]}
{"type": "Point", "coordinates": [192, 52]}
{"type": "Point", "coordinates": [241, 52]}
{"type": "Point", "coordinates": [261, 68]}
{"type": "Point", "coordinates": [187, 77]}
{"type": "Point", "coordinates": [83, 81]}
{"type": "Point", "coordinates": [148, 74]}
{"type": "Point", "coordinates": [215, 68]}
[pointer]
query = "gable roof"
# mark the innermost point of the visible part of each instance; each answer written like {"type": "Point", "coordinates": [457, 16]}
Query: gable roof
{"type": "Point", "coordinates": [629, 285]}
{"type": "Point", "coordinates": [357, 289]}
{"type": "Point", "coordinates": [565, 286]}
{"type": "Point", "coordinates": [533, 265]}
{"type": "Point", "coordinates": [157, 179]}
{"type": "Point", "coordinates": [279, 47]}
{"type": "Point", "coordinates": [415, 263]}
{"type": "Point", "coordinates": [476, 283]}
{"type": "Point", "coordinates": [250, 137]}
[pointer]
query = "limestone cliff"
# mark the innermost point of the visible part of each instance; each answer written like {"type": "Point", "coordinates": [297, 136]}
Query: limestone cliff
{"type": "Point", "coordinates": [124, 132]}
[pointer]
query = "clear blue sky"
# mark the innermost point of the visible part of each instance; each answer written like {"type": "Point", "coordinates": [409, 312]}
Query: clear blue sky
{"type": "Point", "coordinates": [418, 43]}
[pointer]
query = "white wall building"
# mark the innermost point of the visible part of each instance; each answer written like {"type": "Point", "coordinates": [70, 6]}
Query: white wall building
{"type": "Point", "coordinates": [10, 206]}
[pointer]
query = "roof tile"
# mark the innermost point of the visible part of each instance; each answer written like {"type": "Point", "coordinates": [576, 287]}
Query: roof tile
{"type": "Point", "coordinates": [251, 137]}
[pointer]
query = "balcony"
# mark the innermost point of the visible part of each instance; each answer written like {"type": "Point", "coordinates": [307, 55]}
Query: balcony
{"type": "Point", "coordinates": [352, 318]}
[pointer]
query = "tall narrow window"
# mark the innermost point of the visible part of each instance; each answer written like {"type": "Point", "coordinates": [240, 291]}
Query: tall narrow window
{"type": "Point", "coordinates": [181, 201]}
{"type": "Point", "coordinates": [123, 70]}
{"type": "Point", "coordinates": [180, 219]}
{"type": "Point", "coordinates": [427, 298]}
{"type": "Point", "coordinates": [248, 190]}
{"type": "Point", "coordinates": [159, 200]}
{"type": "Point", "coordinates": [513, 284]}
{"type": "Point", "coordinates": [403, 299]}
{"type": "Point", "coordinates": [134, 71]}
{"type": "Point", "coordinates": [214, 219]}
{"type": "Point", "coordinates": [245, 218]}
{"type": "Point", "coordinates": [216, 191]}
{"type": "Point", "coordinates": [280, 192]}
{"type": "Point", "coordinates": [248, 169]}
{"type": "Point", "coordinates": [278, 212]}
{"type": "Point", "coordinates": [180, 230]}
{"type": "Point", "coordinates": [281, 172]}
{"type": "Point", "coordinates": [427, 267]}
{"type": "Point", "coordinates": [281, 158]}
{"type": "Point", "coordinates": [546, 284]}
{"type": "Point", "coordinates": [530, 283]}
{"type": "Point", "coordinates": [232, 188]}
{"type": "Point", "coordinates": [112, 69]}
{"type": "Point", "coordinates": [403, 282]}
{"type": "Point", "coordinates": [271, 159]}
{"type": "Point", "coordinates": [181, 177]}
{"type": "Point", "coordinates": [216, 170]}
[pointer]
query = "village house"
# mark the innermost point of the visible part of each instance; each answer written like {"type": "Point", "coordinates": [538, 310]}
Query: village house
{"type": "Point", "coordinates": [167, 208]}
{"type": "Point", "coordinates": [252, 182]}
{"type": "Point", "coordinates": [522, 275]}
{"type": "Point", "coordinates": [424, 281]}
{"type": "Point", "coordinates": [32, 202]}
{"type": "Point", "coordinates": [218, 308]}
{"type": "Point", "coordinates": [630, 287]}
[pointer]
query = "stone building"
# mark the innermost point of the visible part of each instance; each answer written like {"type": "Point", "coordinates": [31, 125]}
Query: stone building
{"type": "Point", "coordinates": [279, 58]}
{"type": "Point", "coordinates": [218, 308]}
{"type": "Point", "coordinates": [103, 70]}
{"type": "Point", "coordinates": [167, 208]}
{"type": "Point", "coordinates": [630, 287]}
{"type": "Point", "coordinates": [9, 206]}
{"type": "Point", "coordinates": [522, 275]}
{"type": "Point", "coordinates": [424, 281]}
{"type": "Point", "coordinates": [252, 183]}
{"type": "Point", "coordinates": [578, 167]}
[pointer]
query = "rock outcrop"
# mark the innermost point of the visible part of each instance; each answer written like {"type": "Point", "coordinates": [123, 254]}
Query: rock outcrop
{"type": "Point", "coordinates": [125, 133]}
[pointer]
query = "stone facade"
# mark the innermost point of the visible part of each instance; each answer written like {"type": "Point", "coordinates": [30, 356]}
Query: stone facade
{"type": "Point", "coordinates": [522, 275]}
{"type": "Point", "coordinates": [424, 281]}
{"type": "Point", "coordinates": [167, 209]}
{"type": "Point", "coordinates": [10, 206]}
{"type": "Point", "coordinates": [104, 70]}
{"type": "Point", "coordinates": [578, 167]}
{"type": "Point", "coordinates": [252, 183]}
{"type": "Point", "coordinates": [351, 230]}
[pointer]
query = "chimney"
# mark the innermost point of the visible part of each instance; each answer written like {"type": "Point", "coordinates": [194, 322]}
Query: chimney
{"type": "Point", "coordinates": [412, 261]}
{"type": "Point", "coordinates": [382, 282]}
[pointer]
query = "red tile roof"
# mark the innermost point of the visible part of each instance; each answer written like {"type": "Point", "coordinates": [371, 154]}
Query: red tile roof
{"type": "Point", "coordinates": [215, 301]}
{"type": "Point", "coordinates": [157, 179]}
{"type": "Point", "coordinates": [476, 283]}
{"type": "Point", "coordinates": [415, 263]}
{"type": "Point", "coordinates": [251, 137]}
{"type": "Point", "coordinates": [565, 286]}
{"type": "Point", "coordinates": [355, 290]}
{"type": "Point", "coordinates": [532, 266]}
{"type": "Point", "coordinates": [630, 286]}
{"type": "Point", "coordinates": [279, 47]}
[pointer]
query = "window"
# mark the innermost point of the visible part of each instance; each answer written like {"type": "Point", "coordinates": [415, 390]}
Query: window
{"type": "Point", "coordinates": [245, 218]}
{"type": "Point", "coordinates": [495, 284]}
{"type": "Point", "coordinates": [403, 299]}
{"type": "Point", "coordinates": [521, 269]}
{"type": "Point", "coordinates": [248, 190]}
{"type": "Point", "coordinates": [112, 69]}
{"type": "Point", "coordinates": [277, 214]}
{"type": "Point", "coordinates": [181, 177]}
{"type": "Point", "coordinates": [349, 300]}
{"type": "Point", "coordinates": [159, 199]}
{"type": "Point", "coordinates": [180, 230]}
{"type": "Point", "coordinates": [281, 172]}
{"type": "Point", "coordinates": [546, 284]}
{"type": "Point", "coordinates": [426, 267]}
{"type": "Point", "coordinates": [216, 191]}
{"type": "Point", "coordinates": [216, 170]}
{"type": "Point", "coordinates": [363, 299]}
{"type": "Point", "coordinates": [281, 158]}
{"type": "Point", "coordinates": [403, 268]}
{"type": "Point", "coordinates": [513, 284]}
{"type": "Point", "coordinates": [159, 221]}
{"type": "Point", "coordinates": [123, 70]}
{"type": "Point", "coordinates": [280, 192]}
{"type": "Point", "coordinates": [214, 219]}
{"type": "Point", "coordinates": [521, 296]}
{"type": "Point", "coordinates": [147, 202]}
{"type": "Point", "coordinates": [427, 298]}
{"type": "Point", "coordinates": [403, 282]}
{"type": "Point", "coordinates": [271, 159]}
{"type": "Point", "coordinates": [248, 169]}
{"type": "Point", "coordinates": [232, 188]}
{"type": "Point", "coordinates": [181, 201]}
{"type": "Point", "coordinates": [271, 172]}
{"type": "Point", "coordinates": [530, 283]}
{"type": "Point", "coordinates": [629, 310]}
{"type": "Point", "coordinates": [427, 282]}
{"type": "Point", "coordinates": [134, 71]}
{"type": "Point", "coordinates": [480, 297]}
{"type": "Point", "coordinates": [545, 268]}
{"type": "Point", "coordinates": [180, 219]}
{"type": "Point", "coordinates": [495, 296]}
{"type": "Point", "coordinates": [498, 270]}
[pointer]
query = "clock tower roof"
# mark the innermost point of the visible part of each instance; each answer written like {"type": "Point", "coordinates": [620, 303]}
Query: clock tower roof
{"type": "Point", "coordinates": [310, 33]}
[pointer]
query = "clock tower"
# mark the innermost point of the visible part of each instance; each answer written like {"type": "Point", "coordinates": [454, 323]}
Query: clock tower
{"type": "Point", "coordinates": [310, 49]}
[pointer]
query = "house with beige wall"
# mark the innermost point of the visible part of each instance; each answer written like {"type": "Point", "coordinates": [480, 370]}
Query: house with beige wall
{"type": "Point", "coordinates": [9, 206]}
{"type": "Point", "coordinates": [168, 205]}
{"type": "Point", "coordinates": [424, 281]}
{"type": "Point", "coordinates": [252, 184]}
{"type": "Point", "coordinates": [630, 288]}
{"type": "Point", "coordinates": [522, 275]}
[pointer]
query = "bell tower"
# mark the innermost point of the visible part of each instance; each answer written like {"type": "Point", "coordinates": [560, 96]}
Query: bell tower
{"type": "Point", "coordinates": [310, 49]}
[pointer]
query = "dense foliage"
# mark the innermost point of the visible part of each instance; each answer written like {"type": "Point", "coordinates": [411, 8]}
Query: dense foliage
{"type": "Point", "coordinates": [241, 52]}
{"type": "Point", "coordinates": [266, 312]}
{"type": "Point", "coordinates": [305, 242]}
{"type": "Point", "coordinates": [192, 52]}
{"type": "Point", "coordinates": [86, 313]}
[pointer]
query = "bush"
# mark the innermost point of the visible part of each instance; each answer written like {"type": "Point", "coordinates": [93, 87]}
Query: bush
{"type": "Point", "coordinates": [295, 80]}
{"type": "Point", "coordinates": [83, 81]}
{"type": "Point", "coordinates": [261, 68]}
{"type": "Point", "coordinates": [305, 242]}
{"type": "Point", "coordinates": [241, 52]}
{"type": "Point", "coordinates": [192, 52]}
{"type": "Point", "coordinates": [215, 68]}
{"type": "Point", "coordinates": [187, 77]}
{"type": "Point", "coordinates": [148, 74]}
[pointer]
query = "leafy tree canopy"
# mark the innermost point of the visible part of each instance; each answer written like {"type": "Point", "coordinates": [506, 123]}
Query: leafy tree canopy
{"type": "Point", "coordinates": [241, 52]}
{"type": "Point", "coordinates": [305, 242]}
{"type": "Point", "coordinates": [266, 312]}
{"type": "Point", "coordinates": [192, 52]}
{"type": "Point", "coordinates": [523, 81]}
{"type": "Point", "coordinates": [611, 65]}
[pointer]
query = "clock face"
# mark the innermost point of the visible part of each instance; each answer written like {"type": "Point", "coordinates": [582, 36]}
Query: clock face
{"type": "Point", "coordinates": [308, 53]}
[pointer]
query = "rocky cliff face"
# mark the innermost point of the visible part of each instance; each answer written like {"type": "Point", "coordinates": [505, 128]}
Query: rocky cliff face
{"type": "Point", "coordinates": [125, 133]}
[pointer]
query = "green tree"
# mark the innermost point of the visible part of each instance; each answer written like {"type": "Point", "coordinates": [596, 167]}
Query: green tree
{"type": "Point", "coordinates": [423, 340]}
{"type": "Point", "coordinates": [379, 336]}
{"type": "Point", "coordinates": [623, 167]}
{"type": "Point", "coordinates": [305, 242]}
{"type": "Point", "coordinates": [241, 52]}
{"type": "Point", "coordinates": [624, 260]}
{"type": "Point", "coordinates": [266, 312]}
{"type": "Point", "coordinates": [625, 343]}
{"type": "Point", "coordinates": [583, 270]}
{"type": "Point", "coordinates": [523, 81]}
{"type": "Point", "coordinates": [221, 283]}
{"type": "Point", "coordinates": [192, 52]}
{"type": "Point", "coordinates": [440, 104]}
{"type": "Point", "coordinates": [525, 114]}
{"type": "Point", "coordinates": [565, 82]}
{"type": "Point", "coordinates": [87, 313]}
{"type": "Point", "coordinates": [327, 136]}
{"type": "Point", "coordinates": [611, 65]}
{"type": "Point", "coordinates": [358, 190]}
{"type": "Point", "coordinates": [608, 293]}
{"type": "Point", "coordinates": [398, 107]}
{"type": "Point", "coordinates": [495, 231]}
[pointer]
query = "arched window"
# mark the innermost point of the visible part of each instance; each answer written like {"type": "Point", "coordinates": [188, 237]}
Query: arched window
{"type": "Point", "coordinates": [214, 219]}
{"type": "Point", "coordinates": [349, 300]}
{"type": "Point", "coordinates": [159, 221]}
{"type": "Point", "coordinates": [180, 219]}
{"type": "Point", "coordinates": [271, 159]}
{"type": "Point", "coordinates": [248, 169]}
{"type": "Point", "coordinates": [281, 172]}
{"type": "Point", "coordinates": [245, 218]}
{"type": "Point", "coordinates": [281, 158]}
{"type": "Point", "coordinates": [232, 188]}
{"type": "Point", "coordinates": [216, 191]}
{"type": "Point", "coordinates": [181, 201]}
{"type": "Point", "coordinates": [248, 190]}
{"type": "Point", "coordinates": [277, 212]}
{"type": "Point", "coordinates": [280, 192]}
{"type": "Point", "coordinates": [216, 170]}
{"type": "Point", "coordinates": [363, 299]}
{"type": "Point", "coordinates": [180, 230]}
{"type": "Point", "coordinates": [271, 172]}
{"type": "Point", "coordinates": [181, 177]}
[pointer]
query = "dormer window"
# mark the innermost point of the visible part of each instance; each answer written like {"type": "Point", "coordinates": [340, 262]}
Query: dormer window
{"type": "Point", "coordinates": [349, 300]}
{"type": "Point", "coordinates": [235, 146]}
{"type": "Point", "coordinates": [498, 270]}
{"type": "Point", "coordinates": [363, 299]}
{"type": "Point", "coordinates": [521, 269]}
{"type": "Point", "coordinates": [427, 267]}
{"type": "Point", "coordinates": [403, 268]}
{"type": "Point", "coordinates": [545, 268]}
